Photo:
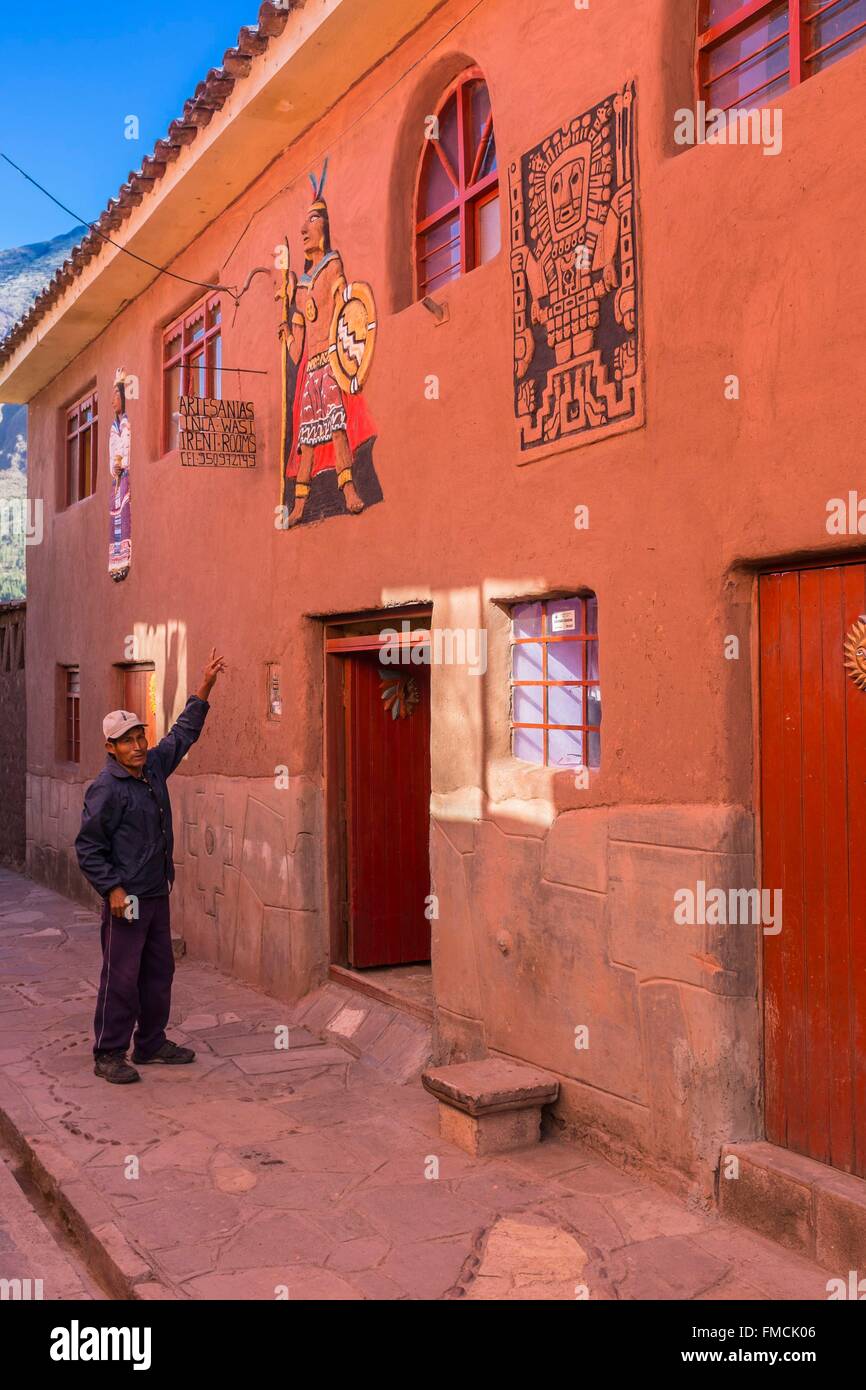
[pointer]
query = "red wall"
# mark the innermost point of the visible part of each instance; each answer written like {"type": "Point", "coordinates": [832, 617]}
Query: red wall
{"type": "Point", "coordinates": [750, 265]}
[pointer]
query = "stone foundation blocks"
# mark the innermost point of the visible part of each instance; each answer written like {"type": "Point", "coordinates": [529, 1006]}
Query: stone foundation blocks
{"type": "Point", "coordinates": [806, 1206]}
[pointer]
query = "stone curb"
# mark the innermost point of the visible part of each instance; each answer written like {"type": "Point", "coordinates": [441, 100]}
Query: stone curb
{"type": "Point", "coordinates": [30, 1251]}
{"type": "Point", "coordinates": [103, 1246]}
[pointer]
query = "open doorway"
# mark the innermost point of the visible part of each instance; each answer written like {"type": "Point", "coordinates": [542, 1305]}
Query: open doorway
{"type": "Point", "coordinates": [378, 794]}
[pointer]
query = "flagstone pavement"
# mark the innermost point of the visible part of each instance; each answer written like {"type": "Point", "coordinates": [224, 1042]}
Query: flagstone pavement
{"type": "Point", "coordinates": [308, 1173]}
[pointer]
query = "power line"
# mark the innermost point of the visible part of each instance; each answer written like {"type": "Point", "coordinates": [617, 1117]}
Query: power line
{"type": "Point", "coordinates": [161, 269]}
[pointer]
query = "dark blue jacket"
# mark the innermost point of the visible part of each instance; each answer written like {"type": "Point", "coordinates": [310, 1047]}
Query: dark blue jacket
{"type": "Point", "coordinates": [126, 839]}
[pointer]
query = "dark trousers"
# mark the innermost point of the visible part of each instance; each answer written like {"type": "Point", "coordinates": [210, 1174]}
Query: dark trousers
{"type": "Point", "coordinates": [135, 986]}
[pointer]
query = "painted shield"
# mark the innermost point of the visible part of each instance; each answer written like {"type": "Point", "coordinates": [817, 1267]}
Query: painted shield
{"type": "Point", "coordinates": [353, 336]}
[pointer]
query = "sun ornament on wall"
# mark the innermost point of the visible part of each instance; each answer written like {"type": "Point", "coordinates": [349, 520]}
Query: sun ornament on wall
{"type": "Point", "coordinates": [400, 694]}
{"type": "Point", "coordinates": [855, 652]}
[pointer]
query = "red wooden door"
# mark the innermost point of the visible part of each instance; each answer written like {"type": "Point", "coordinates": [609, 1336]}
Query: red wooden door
{"type": "Point", "coordinates": [813, 814]}
{"type": "Point", "coordinates": [388, 814]}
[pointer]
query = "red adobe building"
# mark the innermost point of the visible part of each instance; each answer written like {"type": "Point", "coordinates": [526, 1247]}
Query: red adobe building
{"type": "Point", "coordinates": [509, 368]}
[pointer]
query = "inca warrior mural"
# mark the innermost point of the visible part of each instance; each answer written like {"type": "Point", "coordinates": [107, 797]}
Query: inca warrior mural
{"type": "Point", "coordinates": [120, 526]}
{"type": "Point", "coordinates": [328, 331]}
{"type": "Point", "coordinates": [574, 266]}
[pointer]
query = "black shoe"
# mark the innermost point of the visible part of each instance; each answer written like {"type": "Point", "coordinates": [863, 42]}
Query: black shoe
{"type": "Point", "coordinates": [113, 1066]}
{"type": "Point", "coordinates": [169, 1053]}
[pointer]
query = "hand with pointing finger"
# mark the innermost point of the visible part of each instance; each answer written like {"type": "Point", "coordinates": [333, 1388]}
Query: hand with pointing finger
{"type": "Point", "coordinates": [215, 666]}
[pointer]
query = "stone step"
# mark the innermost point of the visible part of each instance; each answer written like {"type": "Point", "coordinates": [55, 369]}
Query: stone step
{"type": "Point", "coordinates": [807, 1206]}
{"type": "Point", "coordinates": [381, 1036]}
{"type": "Point", "coordinates": [491, 1106]}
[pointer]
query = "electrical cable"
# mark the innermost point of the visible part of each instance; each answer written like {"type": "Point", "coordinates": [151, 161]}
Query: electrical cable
{"type": "Point", "coordinates": [162, 270]}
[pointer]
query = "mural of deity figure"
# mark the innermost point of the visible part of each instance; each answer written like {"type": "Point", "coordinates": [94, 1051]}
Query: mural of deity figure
{"type": "Point", "coordinates": [574, 273]}
{"type": "Point", "coordinates": [327, 332]}
{"type": "Point", "coordinates": [120, 526]}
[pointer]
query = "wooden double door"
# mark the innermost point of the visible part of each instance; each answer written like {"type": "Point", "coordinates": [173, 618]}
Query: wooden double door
{"type": "Point", "coordinates": [813, 832]}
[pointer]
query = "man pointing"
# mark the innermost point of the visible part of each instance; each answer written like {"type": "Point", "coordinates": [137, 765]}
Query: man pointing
{"type": "Point", "coordinates": [124, 849]}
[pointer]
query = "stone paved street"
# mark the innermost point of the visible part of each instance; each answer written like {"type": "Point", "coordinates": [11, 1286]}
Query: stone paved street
{"type": "Point", "coordinates": [307, 1172]}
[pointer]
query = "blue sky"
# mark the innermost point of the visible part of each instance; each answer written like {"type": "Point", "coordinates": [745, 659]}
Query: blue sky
{"type": "Point", "coordinates": [72, 73]}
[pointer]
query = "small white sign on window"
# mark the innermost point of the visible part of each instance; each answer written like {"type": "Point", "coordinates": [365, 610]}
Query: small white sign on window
{"type": "Point", "coordinates": [563, 621]}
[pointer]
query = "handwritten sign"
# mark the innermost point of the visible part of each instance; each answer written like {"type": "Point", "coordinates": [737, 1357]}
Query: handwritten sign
{"type": "Point", "coordinates": [216, 434]}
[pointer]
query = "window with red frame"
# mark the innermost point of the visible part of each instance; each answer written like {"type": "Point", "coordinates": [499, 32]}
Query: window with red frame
{"type": "Point", "coordinates": [749, 53]}
{"type": "Point", "coordinates": [73, 714]}
{"type": "Point", "coordinates": [457, 207]}
{"type": "Point", "coordinates": [191, 362]}
{"type": "Point", "coordinates": [82, 442]}
{"type": "Point", "coordinates": [555, 690]}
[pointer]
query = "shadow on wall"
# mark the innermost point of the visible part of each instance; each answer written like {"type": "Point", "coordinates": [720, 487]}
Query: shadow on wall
{"type": "Point", "coordinates": [165, 644]}
{"type": "Point", "coordinates": [556, 941]}
{"type": "Point", "coordinates": [172, 676]}
{"type": "Point", "coordinates": [676, 39]}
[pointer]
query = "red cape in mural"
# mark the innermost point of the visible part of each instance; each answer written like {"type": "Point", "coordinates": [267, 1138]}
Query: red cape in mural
{"type": "Point", "coordinates": [359, 428]}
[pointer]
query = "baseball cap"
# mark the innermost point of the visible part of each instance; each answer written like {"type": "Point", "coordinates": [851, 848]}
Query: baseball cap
{"type": "Point", "coordinates": [119, 722]}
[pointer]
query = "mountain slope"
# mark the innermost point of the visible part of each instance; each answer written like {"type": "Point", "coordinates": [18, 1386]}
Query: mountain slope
{"type": "Point", "coordinates": [23, 272]}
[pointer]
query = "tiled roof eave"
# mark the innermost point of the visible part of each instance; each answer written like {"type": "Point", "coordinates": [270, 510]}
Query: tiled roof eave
{"type": "Point", "coordinates": [209, 97]}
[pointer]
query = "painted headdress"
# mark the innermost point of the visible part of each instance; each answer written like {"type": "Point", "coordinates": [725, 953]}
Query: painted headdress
{"type": "Point", "coordinates": [319, 205]}
{"type": "Point", "coordinates": [318, 186]}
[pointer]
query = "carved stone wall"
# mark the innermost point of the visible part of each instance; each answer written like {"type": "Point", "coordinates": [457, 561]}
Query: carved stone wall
{"type": "Point", "coordinates": [544, 931]}
{"type": "Point", "coordinates": [541, 930]}
{"type": "Point", "coordinates": [247, 892]}
{"type": "Point", "coordinates": [53, 818]}
{"type": "Point", "coordinates": [249, 878]}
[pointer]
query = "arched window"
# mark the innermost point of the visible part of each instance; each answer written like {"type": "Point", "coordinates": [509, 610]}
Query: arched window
{"type": "Point", "coordinates": [457, 207]}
